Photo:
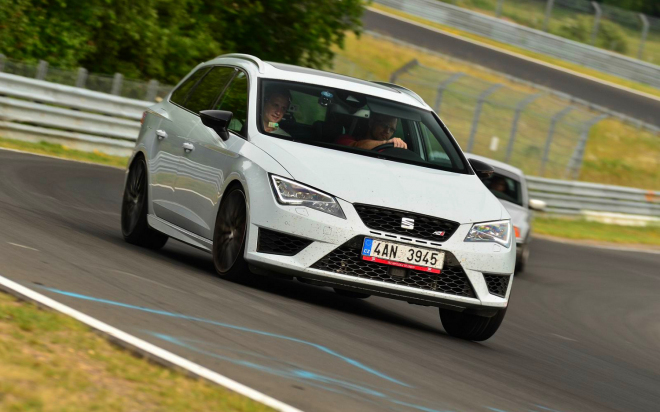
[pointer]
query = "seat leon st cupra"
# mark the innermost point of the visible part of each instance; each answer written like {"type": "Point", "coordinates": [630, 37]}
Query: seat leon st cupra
{"type": "Point", "coordinates": [339, 182]}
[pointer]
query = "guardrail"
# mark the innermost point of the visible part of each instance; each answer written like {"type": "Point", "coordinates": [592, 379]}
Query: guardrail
{"type": "Point", "coordinates": [572, 198]}
{"type": "Point", "coordinates": [530, 39]}
{"type": "Point", "coordinates": [36, 110]}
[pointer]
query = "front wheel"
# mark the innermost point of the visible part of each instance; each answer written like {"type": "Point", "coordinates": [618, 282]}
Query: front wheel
{"type": "Point", "coordinates": [469, 326]}
{"type": "Point", "coordinates": [229, 236]}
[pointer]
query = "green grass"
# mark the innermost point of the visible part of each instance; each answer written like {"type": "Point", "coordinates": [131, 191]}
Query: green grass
{"type": "Point", "coordinates": [58, 150]}
{"type": "Point", "coordinates": [616, 153]}
{"type": "Point", "coordinates": [600, 232]}
{"type": "Point", "coordinates": [50, 362]}
{"type": "Point", "coordinates": [538, 56]}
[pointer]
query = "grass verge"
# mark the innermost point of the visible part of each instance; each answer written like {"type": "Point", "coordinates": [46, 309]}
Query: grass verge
{"type": "Point", "coordinates": [538, 56]}
{"type": "Point", "coordinates": [582, 230]}
{"type": "Point", "coordinates": [50, 362]}
{"type": "Point", "coordinates": [64, 152]}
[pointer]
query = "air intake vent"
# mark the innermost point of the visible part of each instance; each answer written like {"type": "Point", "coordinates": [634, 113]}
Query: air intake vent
{"type": "Point", "coordinates": [278, 243]}
{"type": "Point", "coordinates": [497, 284]}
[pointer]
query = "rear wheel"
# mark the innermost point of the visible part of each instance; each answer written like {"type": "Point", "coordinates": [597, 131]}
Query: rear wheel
{"type": "Point", "coordinates": [469, 326]}
{"type": "Point", "coordinates": [351, 294]}
{"type": "Point", "coordinates": [134, 224]}
{"type": "Point", "coordinates": [229, 236]}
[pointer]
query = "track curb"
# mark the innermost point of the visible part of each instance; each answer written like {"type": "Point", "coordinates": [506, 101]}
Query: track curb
{"type": "Point", "coordinates": [140, 347]}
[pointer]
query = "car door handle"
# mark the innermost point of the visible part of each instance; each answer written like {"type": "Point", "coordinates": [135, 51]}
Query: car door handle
{"type": "Point", "coordinates": [162, 134]}
{"type": "Point", "coordinates": [188, 147]}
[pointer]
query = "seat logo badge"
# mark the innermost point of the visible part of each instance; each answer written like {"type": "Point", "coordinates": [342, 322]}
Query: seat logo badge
{"type": "Point", "coordinates": [407, 223]}
{"type": "Point", "coordinates": [439, 233]}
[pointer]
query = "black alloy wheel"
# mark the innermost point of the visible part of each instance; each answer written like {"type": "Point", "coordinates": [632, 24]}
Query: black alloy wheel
{"type": "Point", "coordinates": [229, 236]}
{"type": "Point", "coordinates": [134, 225]}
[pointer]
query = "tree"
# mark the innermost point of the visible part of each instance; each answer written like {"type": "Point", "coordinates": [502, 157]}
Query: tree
{"type": "Point", "coordinates": [164, 39]}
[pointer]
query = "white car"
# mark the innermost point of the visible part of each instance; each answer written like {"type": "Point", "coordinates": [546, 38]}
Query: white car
{"type": "Point", "coordinates": [508, 184]}
{"type": "Point", "coordinates": [340, 182]}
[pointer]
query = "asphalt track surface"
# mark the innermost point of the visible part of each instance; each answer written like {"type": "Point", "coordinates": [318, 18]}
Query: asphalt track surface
{"type": "Point", "coordinates": [622, 101]}
{"type": "Point", "coordinates": [581, 333]}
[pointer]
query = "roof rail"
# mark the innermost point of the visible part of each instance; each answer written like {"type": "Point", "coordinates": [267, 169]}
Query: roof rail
{"type": "Point", "coordinates": [260, 64]}
{"type": "Point", "coordinates": [403, 89]}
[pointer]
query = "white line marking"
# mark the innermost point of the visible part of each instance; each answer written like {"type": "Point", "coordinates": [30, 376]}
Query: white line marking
{"type": "Point", "coordinates": [145, 347]}
{"type": "Point", "coordinates": [61, 158]}
{"type": "Point", "coordinates": [563, 337]}
{"type": "Point", "coordinates": [595, 246]}
{"type": "Point", "coordinates": [520, 56]}
{"type": "Point", "coordinates": [23, 246]}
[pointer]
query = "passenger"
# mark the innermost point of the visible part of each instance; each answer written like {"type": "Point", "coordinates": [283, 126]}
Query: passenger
{"type": "Point", "coordinates": [498, 184]}
{"type": "Point", "coordinates": [381, 129]}
{"type": "Point", "coordinates": [276, 104]}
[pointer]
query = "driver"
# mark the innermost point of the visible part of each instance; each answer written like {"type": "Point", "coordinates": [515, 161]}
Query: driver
{"type": "Point", "coordinates": [381, 129]}
{"type": "Point", "coordinates": [276, 105]}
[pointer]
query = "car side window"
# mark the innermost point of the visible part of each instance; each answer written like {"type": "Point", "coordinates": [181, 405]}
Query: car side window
{"type": "Point", "coordinates": [235, 100]}
{"type": "Point", "coordinates": [208, 89]}
{"type": "Point", "coordinates": [180, 95]}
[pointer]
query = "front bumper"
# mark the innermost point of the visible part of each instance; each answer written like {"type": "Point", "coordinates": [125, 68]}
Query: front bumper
{"type": "Point", "coordinates": [328, 234]}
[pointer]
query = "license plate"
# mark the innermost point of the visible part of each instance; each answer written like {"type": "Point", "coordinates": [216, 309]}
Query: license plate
{"type": "Point", "coordinates": [403, 256]}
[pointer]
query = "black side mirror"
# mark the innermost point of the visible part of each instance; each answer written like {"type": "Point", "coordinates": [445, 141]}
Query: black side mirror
{"type": "Point", "coordinates": [217, 120]}
{"type": "Point", "coordinates": [482, 170]}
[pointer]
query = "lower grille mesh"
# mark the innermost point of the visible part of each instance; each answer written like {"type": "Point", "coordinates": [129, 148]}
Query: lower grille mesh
{"type": "Point", "coordinates": [497, 284]}
{"type": "Point", "coordinates": [347, 260]}
{"type": "Point", "coordinates": [277, 243]}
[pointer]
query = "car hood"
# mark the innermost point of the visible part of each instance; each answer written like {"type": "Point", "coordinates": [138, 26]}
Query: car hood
{"type": "Point", "coordinates": [362, 179]}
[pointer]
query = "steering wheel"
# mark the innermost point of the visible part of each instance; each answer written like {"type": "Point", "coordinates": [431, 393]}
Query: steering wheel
{"type": "Point", "coordinates": [383, 147]}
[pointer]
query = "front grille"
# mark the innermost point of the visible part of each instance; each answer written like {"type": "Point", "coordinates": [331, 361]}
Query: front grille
{"type": "Point", "coordinates": [497, 284]}
{"type": "Point", "coordinates": [389, 220]}
{"type": "Point", "coordinates": [347, 260]}
{"type": "Point", "coordinates": [278, 243]}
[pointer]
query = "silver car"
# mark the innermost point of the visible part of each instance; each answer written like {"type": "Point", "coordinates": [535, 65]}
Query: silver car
{"type": "Point", "coordinates": [508, 184]}
{"type": "Point", "coordinates": [339, 182]}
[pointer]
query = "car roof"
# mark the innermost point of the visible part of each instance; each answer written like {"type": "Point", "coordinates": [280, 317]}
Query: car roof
{"type": "Point", "coordinates": [496, 164]}
{"type": "Point", "coordinates": [288, 72]}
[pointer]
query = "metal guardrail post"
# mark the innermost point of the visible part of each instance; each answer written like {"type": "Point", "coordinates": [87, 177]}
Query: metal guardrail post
{"type": "Point", "coordinates": [152, 90]}
{"type": "Point", "coordinates": [599, 14]}
{"type": "Point", "coordinates": [2, 62]}
{"type": "Point", "coordinates": [441, 89]}
{"type": "Point", "coordinates": [116, 84]}
{"type": "Point", "coordinates": [514, 125]}
{"type": "Point", "coordinates": [551, 132]}
{"type": "Point", "coordinates": [548, 14]}
{"type": "Point", "coordinates": [477, 113]}
{"type": "Point", "coordinates": [498, 9]}
{"type": "Point", "coordinates": [403, 70]}
{"type": "Point", "coordinates": [575, 164]}
{"type": "Point", "coordinates": [81, 80]}
{"type": "Point", "coordinates": [645, 32]}
{"type": "Point", "coordinates": [42, 69]}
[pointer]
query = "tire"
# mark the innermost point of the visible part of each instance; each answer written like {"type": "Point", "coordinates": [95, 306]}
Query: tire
{"type": "Point", "coordinates": [470, 327]}
{"type": "Point", "coordinates": [351, 294]}
{"type": "Point", "coordinates": [229, 236]}
{"type": "Point", "coordinates": [134, 207]}
{"type": "Point", "coordinates": [522, 261]}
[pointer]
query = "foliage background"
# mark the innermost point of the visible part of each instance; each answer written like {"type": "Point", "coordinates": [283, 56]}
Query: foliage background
{"type": "Point", "coordinates": [164, 39]}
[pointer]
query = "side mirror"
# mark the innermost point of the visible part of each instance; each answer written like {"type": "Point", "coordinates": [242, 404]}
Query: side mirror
{"type": "Point", "coordinates": [483, 170]}
{"type": "Point", "coordinates": [538, 205]}
{"type": "Point", "coordinates": [217, 120]}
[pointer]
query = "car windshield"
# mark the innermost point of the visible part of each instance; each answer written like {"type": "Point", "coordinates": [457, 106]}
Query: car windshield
{"type": "Point", "coordinates": [357, 123]}
{"type": "Point", "coordinates": [505, 188]}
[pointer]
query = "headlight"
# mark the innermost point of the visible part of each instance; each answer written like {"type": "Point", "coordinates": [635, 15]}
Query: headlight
{"type": "Point", "coordinates": [497, 232]}
{"type": "Point", "coordinates": [289, 192]}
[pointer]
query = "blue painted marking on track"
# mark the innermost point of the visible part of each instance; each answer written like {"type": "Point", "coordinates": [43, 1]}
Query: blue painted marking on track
{"type": "Point", "coordinates": [322, 348]}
